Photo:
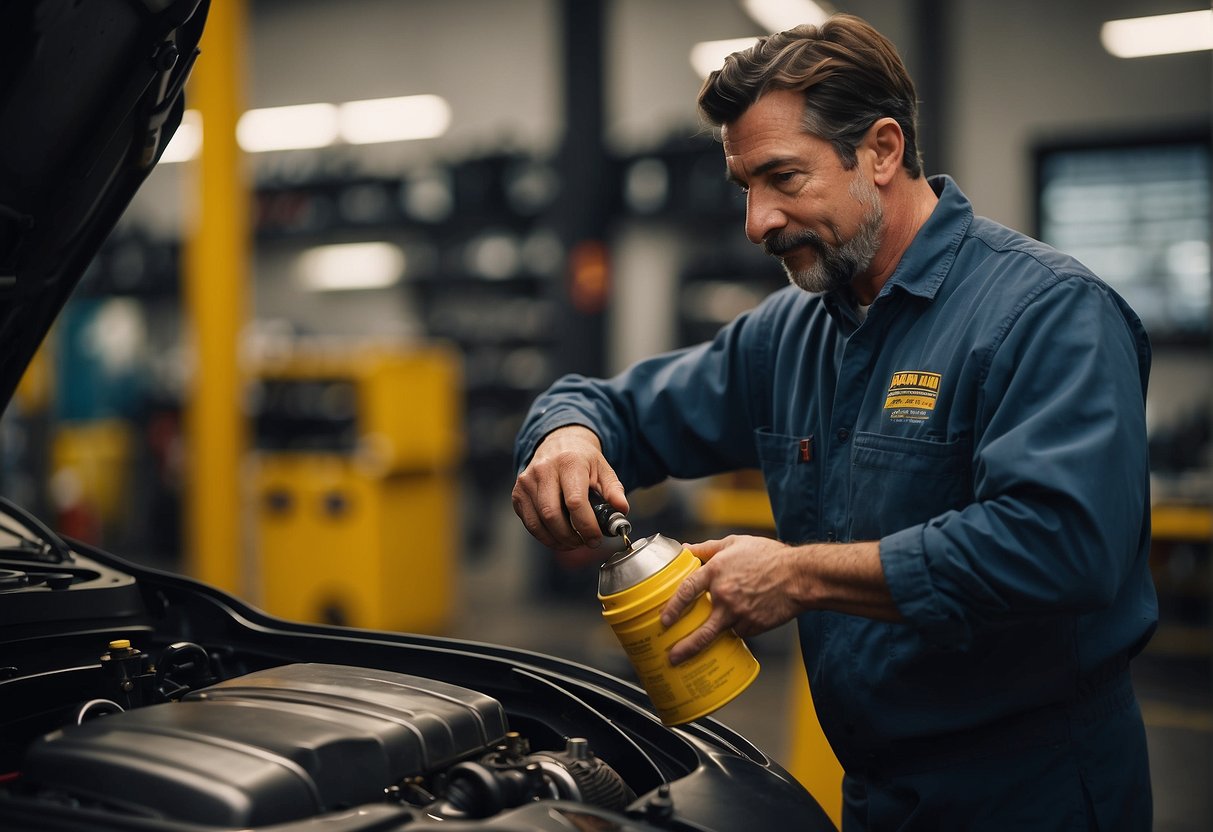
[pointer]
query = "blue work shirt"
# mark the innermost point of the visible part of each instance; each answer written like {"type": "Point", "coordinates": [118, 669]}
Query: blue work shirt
{"type": "Point", "coordinates": [985, 422]}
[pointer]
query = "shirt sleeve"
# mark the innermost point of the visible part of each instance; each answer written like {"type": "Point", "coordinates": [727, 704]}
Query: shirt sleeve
{"type": "Point", "coordinates": [1060, 475]}
{"type": "Point", "coordinates": [687, 413]}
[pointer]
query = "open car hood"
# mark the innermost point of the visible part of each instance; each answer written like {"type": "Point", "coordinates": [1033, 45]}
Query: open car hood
{"type": "Point", "coordinates": [90, 94]}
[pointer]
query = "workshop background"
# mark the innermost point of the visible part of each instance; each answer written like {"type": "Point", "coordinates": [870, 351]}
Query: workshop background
{"type": "Point", "coordinates": [296, 369]}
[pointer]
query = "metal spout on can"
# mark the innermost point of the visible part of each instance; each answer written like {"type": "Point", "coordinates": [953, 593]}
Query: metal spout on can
{"type": "Point", "coordinates": [643, 559]}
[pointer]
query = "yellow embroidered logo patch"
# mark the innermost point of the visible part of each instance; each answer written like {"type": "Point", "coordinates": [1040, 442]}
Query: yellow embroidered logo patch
{"type": "Point", "coordinates": [912, 394]}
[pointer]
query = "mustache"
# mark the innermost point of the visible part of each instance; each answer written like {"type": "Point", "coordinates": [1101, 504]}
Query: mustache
{"type": "Point", "coordinates": [782, 243]}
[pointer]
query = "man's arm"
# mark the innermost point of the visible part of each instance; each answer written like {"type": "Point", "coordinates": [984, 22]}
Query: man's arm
{"type": "Point", "coordinates": [687, 413]}
{"type": "Point", "coordinates": [758, 583]}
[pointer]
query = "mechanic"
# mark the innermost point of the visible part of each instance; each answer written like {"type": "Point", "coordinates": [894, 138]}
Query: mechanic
{"type": "Point", "coordinates": [949, 417]}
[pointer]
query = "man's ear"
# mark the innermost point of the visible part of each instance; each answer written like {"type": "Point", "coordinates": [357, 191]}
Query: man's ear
{"type": "Point", "coordinates": [885, 139]}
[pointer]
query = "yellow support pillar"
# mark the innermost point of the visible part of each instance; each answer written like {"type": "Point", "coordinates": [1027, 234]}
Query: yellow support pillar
{"type": "Point", "coordinates": [739, 500]}
{"type": "Point", "coordinates": [216, 266]}
{"type": "Point", "coordinates": [811, 760]}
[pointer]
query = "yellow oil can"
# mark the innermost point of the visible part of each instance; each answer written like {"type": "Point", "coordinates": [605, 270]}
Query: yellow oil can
{"type": "Point", "coordinates": [633, 586]}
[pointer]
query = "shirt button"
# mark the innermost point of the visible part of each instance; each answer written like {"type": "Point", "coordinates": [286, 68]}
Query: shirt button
{"type": "Point", "coordinates": [843, 434]}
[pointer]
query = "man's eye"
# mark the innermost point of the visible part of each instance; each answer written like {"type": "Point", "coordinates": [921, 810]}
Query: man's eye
{"type": "Point", "coordinates": [784, 177]}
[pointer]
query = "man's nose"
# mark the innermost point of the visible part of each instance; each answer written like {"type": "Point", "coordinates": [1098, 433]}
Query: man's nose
{"type": "Point", "coordinates": [761, 218]}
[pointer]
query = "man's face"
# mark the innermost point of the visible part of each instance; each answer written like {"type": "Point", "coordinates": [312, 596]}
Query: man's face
{"type": "Point", "coordinates": [824, 222]}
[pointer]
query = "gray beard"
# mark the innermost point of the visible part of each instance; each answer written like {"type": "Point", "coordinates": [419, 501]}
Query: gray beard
{"type": "Point", "coordinates": [835, 265]}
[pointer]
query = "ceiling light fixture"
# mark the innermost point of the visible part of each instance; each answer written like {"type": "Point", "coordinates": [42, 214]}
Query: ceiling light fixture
{"type": "Point", "coordinates": [708, 56]}
{"type": "Point", "coordinates": [296, 127]}
{"type": "Point", "coordinates": [404, 118]}
{"type": "Point", "coordinates": [303, 126]}
{"type": "Point", "coordinates": [778, 15]}
{"type": "Point", "coordinates": [373, 265]}
{"type": "Point", "coordinates": [1164, 34]}
{"type": "Point", "coordinates": [772, 15]}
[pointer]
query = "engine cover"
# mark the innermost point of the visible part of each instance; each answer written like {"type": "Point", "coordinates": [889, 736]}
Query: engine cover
{"type": "Point", "coordinates": [272, 746]}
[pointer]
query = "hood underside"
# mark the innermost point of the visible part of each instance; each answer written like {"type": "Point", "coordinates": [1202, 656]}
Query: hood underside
{"type": "Point", "coordinates": [90, 94]}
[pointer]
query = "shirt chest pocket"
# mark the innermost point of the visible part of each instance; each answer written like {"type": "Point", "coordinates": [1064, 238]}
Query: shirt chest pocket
{"type": "Point", "coordinates": [792, 476]}
{"type": "Point", "coordinates": [898, 482]}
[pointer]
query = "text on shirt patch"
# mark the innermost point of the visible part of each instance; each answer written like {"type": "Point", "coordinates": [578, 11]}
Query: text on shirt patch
{"type": "Point", "coordinates": [912, 395]}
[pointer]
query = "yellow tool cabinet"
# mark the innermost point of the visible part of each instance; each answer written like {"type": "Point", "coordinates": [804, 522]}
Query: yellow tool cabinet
{"type": "Point", "coordinates": [356, 487]}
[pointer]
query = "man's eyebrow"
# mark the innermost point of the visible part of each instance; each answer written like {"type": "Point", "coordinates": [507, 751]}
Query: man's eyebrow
{"type": "Point", "coordinates": [765, 167]}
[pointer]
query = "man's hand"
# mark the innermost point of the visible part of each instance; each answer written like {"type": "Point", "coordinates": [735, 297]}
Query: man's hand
{"type": "Point", "coordinates": [758, 583]}
{"type": "Point", "coordinates": [754, 584]}
{"type": "Point", "coordinates": [552, 494]}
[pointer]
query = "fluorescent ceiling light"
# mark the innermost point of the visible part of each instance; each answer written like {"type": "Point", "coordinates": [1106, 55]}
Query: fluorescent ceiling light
{"type": "Point", "coordinates": [287, 128]}
{"type": "Point", "coordinates": [302, 126]}
{"type": "Point", "coordinates": [777, 15]}
{"type": "Point", "coordinates": [1164, 34]}
{"type": "Point", "coordinates": [771, 15]}
{"type": "Point", "coordinates": [373, 265]}
{"type": "Point", "coordinates": [393, 119]}
{"type": "Point", "coordinates": [186, 142]}
{"type": "Point", "coordinates": [708, 56]}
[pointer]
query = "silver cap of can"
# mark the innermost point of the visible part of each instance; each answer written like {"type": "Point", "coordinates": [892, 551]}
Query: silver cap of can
{"type": "Point", "coordinates": [643, 559]}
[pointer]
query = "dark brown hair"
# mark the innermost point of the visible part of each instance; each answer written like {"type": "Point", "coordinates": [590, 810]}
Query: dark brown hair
{"type": "Point", "coordinates": [850, 75]}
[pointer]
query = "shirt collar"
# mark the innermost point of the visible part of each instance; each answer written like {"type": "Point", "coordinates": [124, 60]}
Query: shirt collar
{"type": "Point", "coordinates": [926, 263]}
{"type": "Point", "coordinates": [930, 256]}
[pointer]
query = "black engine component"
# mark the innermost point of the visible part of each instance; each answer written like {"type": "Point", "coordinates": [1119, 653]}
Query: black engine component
{"type": "Point", "coordinates": [269, 747]}
{"type": "Point", "coordinates": [297, 741]}
{"type": "Point", "coordinates": [510, 776]}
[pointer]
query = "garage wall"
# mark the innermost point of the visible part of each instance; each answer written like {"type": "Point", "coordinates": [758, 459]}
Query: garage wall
{"type": "Point", "coordinates": [495, 61]}
{"type": "Point", "coordinates": [1036, 70]}
{"type": "Point", "coordinates": [1020, 71]}
{"type": "Point", "coordinates": [1029, 70]}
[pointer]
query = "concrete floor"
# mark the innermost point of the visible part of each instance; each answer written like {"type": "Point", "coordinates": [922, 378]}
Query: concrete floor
{"type": "Point", "coordinates": [507, 596]}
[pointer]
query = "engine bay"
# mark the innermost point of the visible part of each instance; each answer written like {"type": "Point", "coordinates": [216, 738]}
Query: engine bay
{"type": "Point", "coordinates": [104, 715]}
{"type": "Point", "coordinates": [304, 740]}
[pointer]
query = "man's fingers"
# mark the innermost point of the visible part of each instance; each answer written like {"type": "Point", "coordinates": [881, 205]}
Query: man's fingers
{"type": "Point", "coordinates": [580, 516]}
{"type": "Point", "coordinates": [555, 519]}
{"type": "Point", "coordinates": [539, 504]}
{"type": "Point", "coordinates": [683, 597]}
{"type": "Point", "coordinates": [699, 640]}
{"type": "Point", "coordinates": [524, 507]}
{"type": "Point", "coordinates": [612, 489]}
{"type": "Point", "coordinates": [705, 550]}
